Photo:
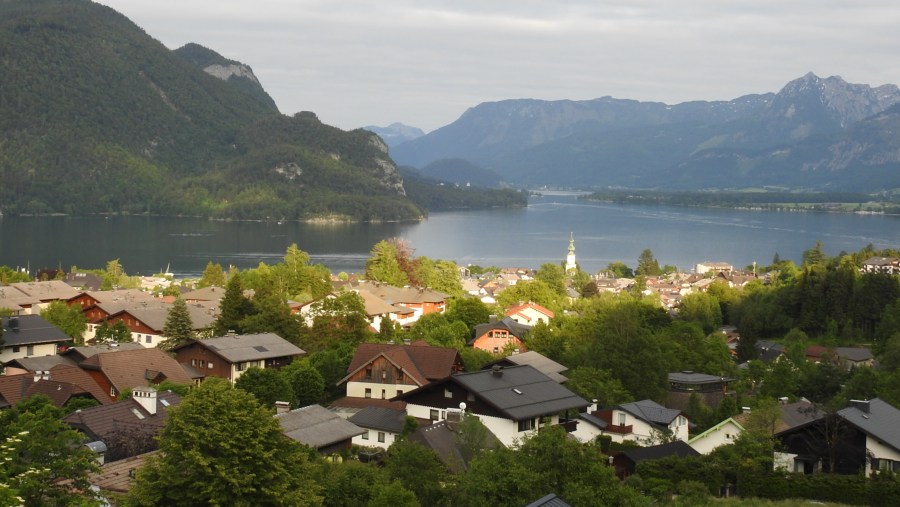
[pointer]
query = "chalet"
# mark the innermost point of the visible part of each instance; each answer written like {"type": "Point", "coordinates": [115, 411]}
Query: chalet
{"type": "Point", "coordinates": [883, 265]}
{"type": "Point", "coordinates": [713, 267]}
{"type": "Point", "coordinates": [539, 361]}
{"type": "Point", "coordinates": [845, 357]}
{"type": "Point", "coordinates": [231, 355]}
{"type": "Point", "coordinates": [385, 370]}
{"type": "Point", "coordinates": [87, 299]}
{"type": "Point", "coordinates": [711, 389]}
{"type": "Point", "coordinates": [644, 422]}
{"type": "Point", "coordinates": [790, 415]}
{"type": "Point", "coordinates": [212, 294]}
{"type": "Point", "coordinates": [420, 301]}
{"type": "Point", "coordinates": [499, 335]}
{"type": "Point", "coordinates": [128, 369]}
{"type": "Point", "coordinates": [723, 433]}
{"type": "Point", "coordinates": [45, 292]}
{"type": "Point", "coordinates": [512, 402]}
{"type": "Point", "coordinates": [17, 302]}
{"type": "Point", "coordinates": [319, 428]}
{"type": "Point", "coordinates": [79, 354]}
{"type": "Point", "coordinates": [61, 384]}
{"type": "Point", "coordinates": [83, 281]}
{"type": "Point", "coordinates": [28, 336]}
{"type": "Point", "coordinates": [127, 424]}
{"type": "Point", "coordinates": [529, 314]}
{"type": "Point", "coordinates": [861, 438]}
{"type": "Point", "coordinates": [146, 323]}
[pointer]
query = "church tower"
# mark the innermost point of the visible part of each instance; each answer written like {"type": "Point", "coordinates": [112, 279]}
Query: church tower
{"type": "Point", "coordinates": [571, 267]}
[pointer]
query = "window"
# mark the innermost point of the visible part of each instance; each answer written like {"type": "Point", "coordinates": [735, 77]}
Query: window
{"type": "Point", "coordinates": [148, 339]}
{"type": "Point", "coordinates": [240, 366]}
{"type": "Point", "coordinates": [15, 348]}
{"type": "Point", "coordinates": [448, 393]}
{"type": "Point", "coordinates": [383, 394]}
{"type": "Point", "coordinates": [399, 392]}
{"type": "Point", "coordinates": [365, 436]}
{"type": "Point", "coordinates": [210, 365]}
{"type": "Point", "coordinates": [369, 373]}
{"type": "Point", "coordinates": [400, 375]}
{"type": "Point", "coordinates": [527, 424]}
{"type": "Point", "coordinates": [193, 362]}
{"type": "Point", "coordinates": [621, 418]}
{"type": "Point", "coordinates": [433, 414]}
{"type": "Point", "coordinates": [29, 350]}
{"type": "Point", "coordinates": [112, 391]}
{"type": "Point", "coordinates": [381, 436]}
{"type": "Point", "coordinates": [368, 392]}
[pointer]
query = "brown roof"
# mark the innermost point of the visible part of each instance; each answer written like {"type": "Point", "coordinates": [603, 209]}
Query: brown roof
{"type": "Point", "coordinates": [46, 291]}
{"type": "Point", "coordinates": [79, 354]}
{"type": "Point", "coordinates": [422, 363]}
{"type": "Point", "coordinates": [127, 369]}
{"type": "Point", "coordinates": [118, 476]}
{"type": "Point", "coordinates": [99, 421]}
{"type": "Point", "coordinates": [65, 382]}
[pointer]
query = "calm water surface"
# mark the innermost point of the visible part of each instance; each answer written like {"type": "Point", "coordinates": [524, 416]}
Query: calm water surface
{"type": "Point", "coordinates": [521, 237]}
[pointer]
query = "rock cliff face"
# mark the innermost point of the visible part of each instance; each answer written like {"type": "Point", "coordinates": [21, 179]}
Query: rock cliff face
{"type": "Point", "coordinates": [226, 72]}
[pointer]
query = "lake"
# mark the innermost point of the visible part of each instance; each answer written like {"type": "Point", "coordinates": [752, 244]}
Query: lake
{"type": "Point", "coordinates": [526, 237]}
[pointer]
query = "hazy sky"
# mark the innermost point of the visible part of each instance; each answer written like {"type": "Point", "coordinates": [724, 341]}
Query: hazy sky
{"type": "Point", "coordinates": [424, 62]}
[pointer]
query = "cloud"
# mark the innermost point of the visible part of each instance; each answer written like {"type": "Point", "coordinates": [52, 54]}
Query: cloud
{"type": "Point", "coordinates": [424, 63]}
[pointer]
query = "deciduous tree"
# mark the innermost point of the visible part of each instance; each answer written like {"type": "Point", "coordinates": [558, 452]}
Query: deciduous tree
{"type": "Point", "coordinates": [70, 319]}
{"type": "Point", "coordinates": [266, 384]}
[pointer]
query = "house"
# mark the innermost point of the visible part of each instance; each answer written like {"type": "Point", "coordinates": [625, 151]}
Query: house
{"type": "Point", "coordinates": [117, 477]}
{"type": "Point", "coordinates": [713, 267]}
{"type": "Point", "coordinates": [45, 292]}
{"type": "Point", "coordinates": [499, 335]}
{"type": "Point", "coordinates": [512, 402]}
{"type": "Point", "coordinates": [539, 361]}
{"type": "Point", "coordinates": [884, 265]}
{"type": "Point", "coordinates": [550, 500]}
{"type": "Point", "coordinates": [845, 357]}
{"type": "Point", "coordinates": [711, 389]}
{"type": "Point", "coordinates": [644, 422]}
{"type": "Point", "coordinates": [769, 351]}
{"type": "Point", "coordinates": [61, 383]}
{"type": "Point", "coordinates": [147, 323]}
{"type": "Point", "coordinates": [29, 336]}
{"type": "Point", "coordinates": [231, 355]}
{"type": "Point", "coordinates": [626, 461]}
{"type": "Point", "coordinates": [529, 314]}
{"type": "Point", "coordinates": [382, 426]}
{"type": "Point", "coordinates": [79, 354]}
{"type": "Point", "coordinates": [384, 370]}
{"type": "Point", "coordinates": [17, 302]}
{"type": "Point", "coordinates": [723, 433]}
{"type": "Point", "coordinates": [129, 369]}
{"type": "Point", "coordinates": [83, 281]}
{"type": "Point", "coordinates": [862, 437]}
{"type": "Point", "coordinates": [87, 299]}
{"type": "Point", "coordinates": [319, 428]}
{"type": "Point", "coordinates": [420, 301]}
{"type": "Point", "coordinates": [212, 294]}
{"type": "Point", "coordinates": [127, 427]}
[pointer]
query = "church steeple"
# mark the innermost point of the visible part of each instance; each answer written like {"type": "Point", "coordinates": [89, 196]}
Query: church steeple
{"type": "Point", "coordinates": [570, 258]}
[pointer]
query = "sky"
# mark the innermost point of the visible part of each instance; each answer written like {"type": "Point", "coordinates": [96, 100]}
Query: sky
{"type": "Point", "coordinates": [425, 62]}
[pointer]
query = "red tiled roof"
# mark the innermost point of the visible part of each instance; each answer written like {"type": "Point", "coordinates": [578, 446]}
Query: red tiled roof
{"type": "Point", "coordinates": [65, 381]}
{"type": "Point", "coordinates": [127, 369]}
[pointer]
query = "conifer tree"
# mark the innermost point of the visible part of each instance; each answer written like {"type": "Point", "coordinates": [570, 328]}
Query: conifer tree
{"type": "Point", "coordinates": [178, 329]}
{"type": "Point", "coordinates": [235, 307]}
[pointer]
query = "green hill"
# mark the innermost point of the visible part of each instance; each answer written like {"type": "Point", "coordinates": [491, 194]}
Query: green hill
{"type": "Point", "coordinates": [96, 117]}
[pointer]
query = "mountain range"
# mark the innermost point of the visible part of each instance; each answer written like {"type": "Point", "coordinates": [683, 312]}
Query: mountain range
{"type": "Point", "coordinates": [814, 134]}
{"type": "Point", "coordinates": [96, 116]}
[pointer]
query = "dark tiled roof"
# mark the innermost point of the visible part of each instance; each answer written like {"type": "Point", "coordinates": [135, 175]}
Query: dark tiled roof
{"type": "Point", "coordinates": [506, 323]}
{"type": "Point", "coordinates": [542, 363]}
{"type": "Point", "coordinates": [249, 347]}
{"type": "Point", "coordinates": [550, 500]}
{"type": "Point", "coordinates": [79, 354]}
{"type": "Point", "coordinates": [99, 421]}
{"type": "Point", "coordinates": [127, 369]}
{"type": "Point", "coordinates": [379, 418]}
{"type": "Point", "coordinates": [690, 377]}
{"type": "Point", "coordinates": [30, 330]}
{"type": "Point", "coordinates": [440, 438]}
{"type": "Point", "coordinates": [317, 426]}
{"type": "Point", "coordinates": [40, 363]}
{"type": "Point", "coordinates": [421, 362]}
{"type": "Point", "coordinates": [519, 392]}
{"type": "Point", "coordinates": [650, 411]}
{"type": "Point", "coordinates": [877, 418]}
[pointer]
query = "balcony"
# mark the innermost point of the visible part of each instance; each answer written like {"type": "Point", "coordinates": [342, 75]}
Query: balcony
{"type": "Point", "coordinates": [621, 430]}
{"type": "Point", "coordinates": [569, 425]}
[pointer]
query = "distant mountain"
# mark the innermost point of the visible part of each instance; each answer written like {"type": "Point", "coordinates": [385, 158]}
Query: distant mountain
{"type": "Point", "coordinates": [396, 133]}
{"type": "Point", "coordinates": [814, 134]}
{"type": "Point", "coordinates": [461, 172]}
{"type": "Point", "coordinates": [98, 117]}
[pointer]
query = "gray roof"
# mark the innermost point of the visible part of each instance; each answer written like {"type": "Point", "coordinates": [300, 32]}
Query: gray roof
{"type": "Point", "coordinates": [379, 418]}
{"type": "Point", "coordinates": [856, 354]}
{"type": "Point", "coordinates": [250, 347]}
{"type": "Point", "coordinates": [317, 426]}
{"type": "Point", "coordinates": [543, 364]}
{"type": "Point", "coordinates": [690, 377]}
{"type": "Point", "coordinates": [30, 330]}
{"type": "Point", "coordinates": [592, 419]}
{"type": "Point", "coordinates": [40, 363]}
{"type": "Point", "coordinates": [651, 411]}
{"type": "Point", "coordinates": [507, 323]}
{"type": "Point", "coordinates": [550, 500]}
{"type": "Point", "coordinates": [155, 316]}
{"type": "Point", "coordinates": [877, 418]}
{"type": "Point", "coordinates": [519, 392]}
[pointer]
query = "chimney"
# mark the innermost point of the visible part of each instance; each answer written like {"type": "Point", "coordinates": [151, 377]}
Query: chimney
{"type": "Point", "coordinates": [146, 397]}
{"type": "Point", "coordinates": [497, 370]}
{"type": "Point", "coordinates": [592, 407]}
{"type": "Point", "coordinates": [41, 375]}
{"type": "Point", "coordinates": [230, 332]}
{"type": "Point", "coordinates": [745, 410]}
{"type": "Point", "coordinates": [861, 405]}
{"type": "Point", "coordinates": [282, 407]}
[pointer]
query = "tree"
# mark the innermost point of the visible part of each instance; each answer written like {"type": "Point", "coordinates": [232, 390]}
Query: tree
{"type": "Point", "coordinates": [306, 382]}
{"type": "Point", "coordinates": [336, 320]}
{"type": "Point", "coordinates": [703, 309]}
{"type": "Point", "coordinates": [221, 447]}
{"type": "Point", "coordinates": [593, 384]}
{"type": "Point", "coordinates": [535, 291]}
{"type": "Point", "coordinates": [234, 308]}
{"type": "Point", "coordinates": [384, 265]}
{"type": "Point", "coordinates": [178, 329]}
{"type": "Point", "coordinates": [469, 310]}
{"type": "Point", "coordinates": [213, 276]}
{"type": "Point", "coordinates": [619, 269]}
{"type": "Point", "coordinates": [266, 384]}
{"type": "Point", "coordinates": [554, 276]}
{"type": "Point", "coordinates": [49, 463]}
{"type": "Point", "coordinates": [70, 319]}
{"type": "Point", "coordinates": [272, 315]}
{"type": "Point", "coordinates": [418, 469]}
{"type": "Point", "coordinates": [117, 333]}
{"type": "Point", "coordinates": [647, 264]}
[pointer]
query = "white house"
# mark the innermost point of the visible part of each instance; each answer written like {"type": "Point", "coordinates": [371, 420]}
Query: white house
{"type": "Point", "coordinates": [723, 433]}
{"type": "Point", "coordinates": [29, 336]}
{"type": "Point", "coordinates": [644, 422]}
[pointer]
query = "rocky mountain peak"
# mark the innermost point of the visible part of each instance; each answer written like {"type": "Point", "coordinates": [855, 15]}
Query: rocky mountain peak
{"type": "Point", "coordinates": [845, 103]}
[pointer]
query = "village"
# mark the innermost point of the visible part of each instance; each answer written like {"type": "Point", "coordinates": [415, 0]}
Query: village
{"type": "Point", "coordinates": [376, 365]}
